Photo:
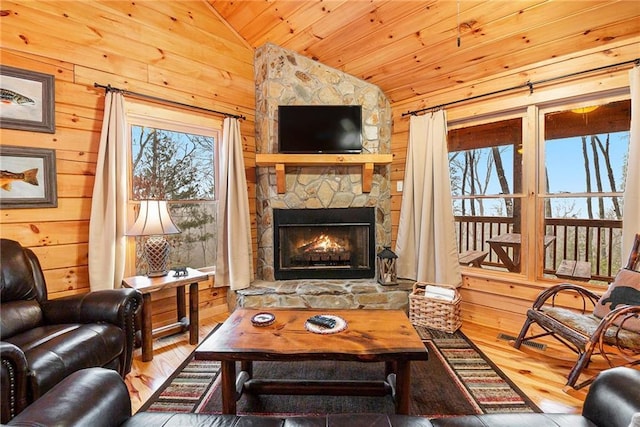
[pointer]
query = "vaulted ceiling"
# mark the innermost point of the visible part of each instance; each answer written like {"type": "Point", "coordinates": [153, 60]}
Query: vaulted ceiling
{"type": "Point", "coordinates": [411, 48]}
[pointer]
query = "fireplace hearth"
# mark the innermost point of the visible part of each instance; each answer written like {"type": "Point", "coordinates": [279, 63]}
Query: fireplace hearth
{"type": "Point", "coordinates": [334, 243]}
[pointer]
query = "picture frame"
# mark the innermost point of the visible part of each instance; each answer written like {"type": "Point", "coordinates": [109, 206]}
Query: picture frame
{"type": "Point", "coordinates": [27, 178]}
{"type": "Point", "coordinates": [28, 100]}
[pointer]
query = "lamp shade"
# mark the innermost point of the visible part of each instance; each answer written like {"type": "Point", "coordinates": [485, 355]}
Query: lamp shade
{"type": "Point", "coordinates": [153, 220]}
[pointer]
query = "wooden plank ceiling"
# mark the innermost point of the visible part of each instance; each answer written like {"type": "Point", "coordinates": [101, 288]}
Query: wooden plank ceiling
{"type": "Point", "coordinates": [411, 48]}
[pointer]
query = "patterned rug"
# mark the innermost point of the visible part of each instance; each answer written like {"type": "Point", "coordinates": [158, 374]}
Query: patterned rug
{"type": "Point", "coordinates": [457, 379]}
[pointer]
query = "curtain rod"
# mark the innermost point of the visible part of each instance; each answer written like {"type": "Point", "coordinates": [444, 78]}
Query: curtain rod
{"type": "Point", "coordinates": [524, 85]}
{"type": "Point", "coordinates": [108, 88]}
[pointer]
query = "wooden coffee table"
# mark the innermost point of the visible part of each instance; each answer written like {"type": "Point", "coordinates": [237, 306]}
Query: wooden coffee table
{"type": "Point", "coordinates": [371, 336]}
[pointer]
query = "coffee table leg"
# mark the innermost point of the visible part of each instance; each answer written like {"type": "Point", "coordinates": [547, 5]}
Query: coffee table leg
{"type": "Point", "coordinates": [403, 387]}
{"type": "Point", "coordinates": [228, 373]}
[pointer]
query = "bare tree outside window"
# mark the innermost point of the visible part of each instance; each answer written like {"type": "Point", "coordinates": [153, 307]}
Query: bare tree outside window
{"type": "Point", "coordinates": [178, 167]}
{"type": "Point", "coordinates": [585, 168]}
{"type": "Point", "coordinates": [485, 171]}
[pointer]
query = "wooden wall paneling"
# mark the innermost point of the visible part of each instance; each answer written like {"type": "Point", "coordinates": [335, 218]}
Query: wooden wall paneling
{"type": "Point", "coordinates": [85, 142]}
{"type": "Point", "coordinates": [90, 103]}
{"type": "Point", "coordinates": [218, 84]}
{"type": "Point", "coordinates": [76, 162]}
{"type": "Point", "coordinates": [500, 319]}
{"type": "Point", "coordinates": [61, 256]}
{"type": "Point", "coordinates": [89, 76]}
{"type": "Point", "coordinates": [199, 16]}
{"type": "Point", "coordinates": [215, 42]}
{"type": "Point", "coordinates": [75, 185]}
{"type": "Point", "coordinates": [61, 69]}
{"type": "Point", "coordinates": [191, 20]}
{"type": "Point", "coordinates": [67, 280]}
{"type": "Point", "coordinates": [68, 209]}
{"type": "Point", "coordinates": [41, 43]}
{"type": "Point", "coordinates": [110, 32]}
{"type": "Point", "coordinates": [47, 233]}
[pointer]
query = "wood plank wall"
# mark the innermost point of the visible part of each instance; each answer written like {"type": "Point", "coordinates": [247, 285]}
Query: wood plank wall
{"type": "Point", "coordinates": [493, 299]}
{"type": "Point", "coordinates": [175, 50]}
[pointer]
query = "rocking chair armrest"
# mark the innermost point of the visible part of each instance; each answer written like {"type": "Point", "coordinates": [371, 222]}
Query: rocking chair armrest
{"type": "Point", "coordinates": [617, 318]}
{"type": "Point", "coordinates": [551, 293]}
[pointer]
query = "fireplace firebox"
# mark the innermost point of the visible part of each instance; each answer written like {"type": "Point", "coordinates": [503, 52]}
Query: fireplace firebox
{"type": "Point", "coordinates": [334, 243]}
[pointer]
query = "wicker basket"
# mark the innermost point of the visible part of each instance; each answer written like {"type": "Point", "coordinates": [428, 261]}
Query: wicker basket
{"type": "Point", "coordinates": [433, 312]}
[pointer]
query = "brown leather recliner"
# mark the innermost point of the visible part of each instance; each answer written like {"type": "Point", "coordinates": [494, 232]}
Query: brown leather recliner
{"type": "Point", "coordinates": [43, 341]}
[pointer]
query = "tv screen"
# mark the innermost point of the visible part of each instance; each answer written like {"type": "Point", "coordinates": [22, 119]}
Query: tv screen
{"type": "Point", "coordinates": [320, 129]}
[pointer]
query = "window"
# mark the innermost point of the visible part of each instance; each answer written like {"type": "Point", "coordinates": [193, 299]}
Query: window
{"type": "Point", "coordinates": [572, 164]}
{"type": "Point", "coordinates": [485, 165]}
{"type": "Point", "coordinates": [585, 163]}
{"type": "Point", "coordinates": [176, 162]}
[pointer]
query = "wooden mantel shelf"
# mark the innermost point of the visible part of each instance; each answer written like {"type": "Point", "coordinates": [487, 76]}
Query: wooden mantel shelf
{"type": "Point", "coordinates": [281, 160]}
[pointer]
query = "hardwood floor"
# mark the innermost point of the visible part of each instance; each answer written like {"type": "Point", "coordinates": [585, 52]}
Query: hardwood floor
{"type": "Point", "coordinates": [540, 374]}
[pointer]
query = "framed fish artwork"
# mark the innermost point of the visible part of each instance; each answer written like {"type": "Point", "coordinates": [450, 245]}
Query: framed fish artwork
{"type": "Point", "coordinates": [27, 100]}
{"type": "Point", "coordinates": [27, 178]}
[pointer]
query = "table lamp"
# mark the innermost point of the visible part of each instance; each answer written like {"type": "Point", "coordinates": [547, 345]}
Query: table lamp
{"type": "Point", "coordinates": [154, 221]}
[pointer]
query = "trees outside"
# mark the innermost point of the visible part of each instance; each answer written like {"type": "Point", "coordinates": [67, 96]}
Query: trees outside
{"type": "Point", "coordinates": [584, 164]}
{"type": "Point", "coordinates": [178, 167]}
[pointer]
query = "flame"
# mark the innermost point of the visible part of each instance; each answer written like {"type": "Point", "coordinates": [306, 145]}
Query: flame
{"type": "Point", "coordinates": [323, 243]}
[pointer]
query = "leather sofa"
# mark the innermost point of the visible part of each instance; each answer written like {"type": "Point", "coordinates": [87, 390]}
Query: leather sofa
{"type": "Point", "coordinates": [99, 398]}
{"type": "Point", "coordinates": [42, 341]}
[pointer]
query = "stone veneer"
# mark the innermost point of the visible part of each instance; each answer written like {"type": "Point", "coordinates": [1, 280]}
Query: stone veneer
{"type": "Point", "coordinates": [284, 77]}
{"type": "Point", "coordinates": [336, 294]}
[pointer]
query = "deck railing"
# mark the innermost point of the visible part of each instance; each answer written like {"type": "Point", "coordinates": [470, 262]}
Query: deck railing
{"type": "Point", "coordinates": [592, 240]}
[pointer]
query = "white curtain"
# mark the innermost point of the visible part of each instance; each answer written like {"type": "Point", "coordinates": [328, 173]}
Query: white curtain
{"type": "Point", "coordinates": [426, 243]}
{"type": "Point", "coordinates": [631, 222]}
{"type": "Point", "coordinates": [107, 242]}
{"type": "Point", "coordinates": [234, 264]}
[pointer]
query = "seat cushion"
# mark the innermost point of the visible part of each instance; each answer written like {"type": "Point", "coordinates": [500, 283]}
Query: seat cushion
{"type": "Point", "coordinates": [55, 351]}
{"type": "Point", "coordinates": [515, 419]}
{"type": "Point", "coordinates": [587, 324]}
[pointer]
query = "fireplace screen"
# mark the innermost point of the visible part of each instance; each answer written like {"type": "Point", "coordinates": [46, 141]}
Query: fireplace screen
{"type": "Point", "coordinates": [324, 243]}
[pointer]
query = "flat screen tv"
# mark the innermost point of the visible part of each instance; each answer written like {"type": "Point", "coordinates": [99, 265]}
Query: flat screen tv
{"type": "Point", "coordinates": [319, 129]}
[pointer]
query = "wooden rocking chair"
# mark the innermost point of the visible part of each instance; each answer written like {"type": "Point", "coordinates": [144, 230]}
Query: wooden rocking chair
{"type": "Point", "coordinates": [607, 324]}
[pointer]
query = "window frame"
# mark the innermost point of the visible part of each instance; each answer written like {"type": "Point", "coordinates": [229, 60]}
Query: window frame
{"type": "Point", "coordinates": [140, 113]}
{"type": "Point", "coordinates": [532, 214]}
{"type": "Point", "coordinates": [599, 99]}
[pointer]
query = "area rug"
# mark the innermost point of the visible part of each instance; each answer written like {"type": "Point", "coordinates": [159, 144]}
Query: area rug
{"type": "Point", "coordinates": [457, 379]}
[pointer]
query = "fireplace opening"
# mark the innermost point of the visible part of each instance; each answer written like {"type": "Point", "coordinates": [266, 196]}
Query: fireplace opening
{"type": "Point", "coordinates": [324, 243]}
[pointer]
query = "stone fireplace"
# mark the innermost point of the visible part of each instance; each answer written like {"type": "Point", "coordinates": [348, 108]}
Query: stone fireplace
{"type": "Point", "coordinates": [339, 280]}
{"type": "Point", "coordinates": [324, 243]}
{"type": "Point", "coordinates": [285, 77]}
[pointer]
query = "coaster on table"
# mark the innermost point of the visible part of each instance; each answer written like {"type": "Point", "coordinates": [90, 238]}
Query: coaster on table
{"type": "Point", "coordinates": [339, 325]}
{"type": "Point", "coordinates": [263, 319]}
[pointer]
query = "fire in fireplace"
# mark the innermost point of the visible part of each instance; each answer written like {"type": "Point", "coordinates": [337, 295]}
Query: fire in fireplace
{"type": "Point", "coordinates": [324, 243]}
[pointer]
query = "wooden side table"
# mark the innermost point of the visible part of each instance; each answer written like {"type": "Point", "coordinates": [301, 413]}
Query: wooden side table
{"type": "Point", "coordinates": [148, 285]}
